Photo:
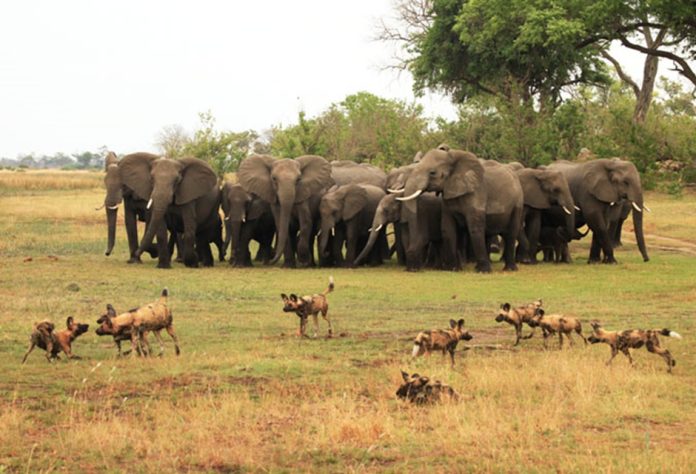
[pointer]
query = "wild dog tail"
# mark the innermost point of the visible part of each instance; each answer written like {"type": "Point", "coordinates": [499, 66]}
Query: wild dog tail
{"type": "Point", "coordinates": [674, 334]}
{"type": "Point", "coordinates": [165, 292]}
{"type": "Point", "coordinates": [330, 288]}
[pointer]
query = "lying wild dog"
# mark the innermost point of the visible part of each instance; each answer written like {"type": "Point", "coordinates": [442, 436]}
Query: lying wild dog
{"type": "Point", "coordinates": [518, 316]}
{"type": "Point", "coordinates": [557, 324]}
{"type": "Point", "coordinates": [52, 341]}
{"type": "Point", "coordinates": [314, 304]}
{"type": "Point", "coordinates": [634, 339]}
{"type": "Point", "coordinates": [444, 340]}
{"type": "Point", "coordinates": [152, 317]}
{"type": "Point", "coordinates": [421, 390]}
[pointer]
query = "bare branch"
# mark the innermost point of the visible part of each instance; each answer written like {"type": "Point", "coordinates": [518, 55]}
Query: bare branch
{"type": "Point", "coordinates": [624, 77]}
{"type": "Point", "coordinates": [681, 65]}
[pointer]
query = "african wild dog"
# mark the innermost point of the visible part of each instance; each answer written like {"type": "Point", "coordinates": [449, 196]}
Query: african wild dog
{"type": "Point", "coordinates": [518, 316]}
{"type": "Point", "coordinates": [152, 317]}
{"type": "Point", "coordinates": [421, 390]}
{"type": "Point", "coordinates": [54, 342]}
{"type": "Point", "coordinates": [444, 340]}
{"type": "Point", "coordinates": [314, 304]}
{"type": "Point", "coordinates": [123, 335]}
{"type": "Point", "coordinates": [634, 339]}
{"type": "Point", "coordinates": [557, 324]}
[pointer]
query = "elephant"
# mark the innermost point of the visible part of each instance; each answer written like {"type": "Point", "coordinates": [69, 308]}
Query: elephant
{"type": "Point", "coordinates": [420, 232]}
{"type": "Point", "coordinates": [247, 218]}
{"type": "Point", "coordinates": [600, 188]}
{"type": "Point", "coordinates": [212, 234]}
{"type": "Point", "coordinates": [183, 189]}
{"type": "Point", "coordinates": [353, 206]}
{"type": "Point", "coordinates": [396, 179]}
{"type": "Point", "coordinates": [478, 201]}
{"type": "Point", "coordinates": [134, 206]}
{"type": "Point", "coordinates": [293, 188]}
{"type": "Point", "coordinates": [347, 172]}
{"type": "Point", "coordinates": [553, 242]}
{"type": "Point", "coordinates": [542, 190]}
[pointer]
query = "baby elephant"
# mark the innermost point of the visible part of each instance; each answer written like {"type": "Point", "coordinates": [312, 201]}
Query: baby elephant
{"type": "Point", "coordinates": [444, 340]}
{"type": "Point", "coordinates": [557, 324]}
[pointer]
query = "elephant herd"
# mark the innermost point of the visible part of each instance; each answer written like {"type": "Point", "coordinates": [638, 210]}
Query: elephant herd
{"type": "Point", "coordinates": [446, 208]}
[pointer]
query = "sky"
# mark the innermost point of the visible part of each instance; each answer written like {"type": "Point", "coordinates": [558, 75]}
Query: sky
{"type": "Point", "coordinates": [77, 75]}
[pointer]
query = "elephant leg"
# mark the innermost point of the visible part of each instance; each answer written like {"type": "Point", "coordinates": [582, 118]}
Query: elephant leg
{"type": "Point", "coordinates": [131, 221]}
{"type": "Point", "coordinates": [303, 243]}
{"type": "Point", "coordinates": [289, 252]}
{"type": "Point", "coordinates": [203, 252]}
{"type": "Point", "coordinates": [530, 233]}
{"type": "Point", "coordinates": [476, 225]}
{"type": "Point", "coordinates": [164, 260]}
{"type": "Point", "coordinates": [601, 240]}
{"type": "Point", "coordinates": [450, 255]}
{"type": "Point", "coordinates": [352, 237]}
{"type": "Point", "coordinates": [399, 243]}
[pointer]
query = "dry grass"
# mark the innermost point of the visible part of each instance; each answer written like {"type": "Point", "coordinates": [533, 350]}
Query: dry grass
{"type": "Point", "coordinates": [43, 180]}
{"type": "Point", "coordinates": [247, 396]}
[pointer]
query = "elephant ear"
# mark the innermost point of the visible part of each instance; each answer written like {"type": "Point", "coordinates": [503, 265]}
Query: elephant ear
{"type": "Point", "coordinates": [466, 176]}
{"type": "Point", "coordinates": [534, 195]}
{"type": "Point", "coordinates": [197, 179]}
{"type": "Point", "coordinates": [254, 175]}
{"type": "Point", "coordinates": [110, 159]}
{"type": "Point", "coordinates": [355, 200]}
{"type": "Point", "coordinates": [316, 175]}
{"type": "Point", "coordinates": [597, 182]}
{"type": "Point", "coordinates": [135, 173]}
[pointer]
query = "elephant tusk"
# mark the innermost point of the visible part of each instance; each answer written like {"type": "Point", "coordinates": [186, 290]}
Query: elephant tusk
{"type": "Point", "coordinates": [612, 203]}
{"type": "Point", "coordinates": [243, 218]}
{"type": "Point", "coordinates": [576, 208]}
{"type": "Point", "coordinates": [227, 218]}
{"type": "Point", "coordinates": [395, 191]}
{"type": "Point", "coordinates": [636, 207]}
{"type": "Point", "coordinates": [646, 208]}
{"type": "Point", "coordinates": [565, 209]}
{"type": "Point", "coordinates": [378, 228]}
{"type": "Point", "coordinates": [333, 231]}
{"type": "Point", "coordinates": [149, 204]}
{"type": "Point", "coordinates": [113, 208]}
{"type": "Point", "coordinates": [412, 196]}
{"type": "Point", "coordinates": [319, 233]}
{"type": "Point", "coordinates": [100, 207]}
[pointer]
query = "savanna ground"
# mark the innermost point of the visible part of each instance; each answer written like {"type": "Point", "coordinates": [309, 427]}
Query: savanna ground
{"type": "Point", "coordinates": [247, 395]}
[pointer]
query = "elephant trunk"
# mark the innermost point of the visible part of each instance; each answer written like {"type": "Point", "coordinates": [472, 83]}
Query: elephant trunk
{"type": "Point", "coordinates": [235, 236]}
{"type": "Point", "coordinates": [327, 228]}
{"type": "Point", "coordinates": [638, 229]}
{"type": "Point", "coordinates": [287, 200]}
{"type": "Point", "coordinates": [570, 221]}
{"type": "Point", "coordinates": [377, 223]}
{"type": "Point", "coordinates": [228, 235]}
{"type": "Point", "coordinates": [153, 225]}
{"type": "Point", "coordinates": [111, 215]}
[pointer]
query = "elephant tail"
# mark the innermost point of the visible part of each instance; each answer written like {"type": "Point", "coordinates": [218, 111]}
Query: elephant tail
{"type": "Point", "coordinates": [329, 288]}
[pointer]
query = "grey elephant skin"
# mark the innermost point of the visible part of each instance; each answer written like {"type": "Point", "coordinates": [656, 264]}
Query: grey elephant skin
{"type": "Point", "coordinates": [247, 218]}
{"type": "Point", "coordinates": [293, 188]}
{"type": "Point", "coordinates": [187, 190]}
{"type": "Point", "coordinates": [352, 206]}
{"type": "Point", "coordinates": [545, 191]}
{"type": "Point", "coordinates": [418, 232]}
{"type": "Point", "coordinates": [134, 206]}
{"type": "Point", "coordinates": [600, 189]}
{"type": "Point", "coordinates": [350, 172]}
{"type": "Point", "coordinates": [478, 201]}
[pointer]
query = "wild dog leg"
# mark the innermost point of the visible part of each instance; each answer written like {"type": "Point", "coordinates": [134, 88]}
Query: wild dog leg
{"type": "Point", "coordinates": [172, 334]}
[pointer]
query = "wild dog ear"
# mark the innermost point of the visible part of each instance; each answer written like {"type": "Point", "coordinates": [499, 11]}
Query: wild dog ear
{"type": "Point", "coordinates": [110, 311]}
{"type": "Point", "coordinates": [453, 323]}
{"type": "Point", "coordinates": [69, 322]}
{"type": "Point", "coordinates": [284, 296]}
{"type": "Point", "coordinates": [506, 307]}
{"type": "Point", "coordinates": [405, 376]}
{"type": "Point", "coordinates": [293, 298]}
{"type": "Point", "coordinates": [460, 323]}
{"type": "Point", "coordinates": [540, 311]}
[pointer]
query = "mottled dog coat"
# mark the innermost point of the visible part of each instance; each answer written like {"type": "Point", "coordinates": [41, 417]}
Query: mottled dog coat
{"type": "Point", "coordinates": [517, 316]}
{"type": "Point", "coordinates": [152, 317]}
{"type": "Point", "coordinates": [52, 341]}
{"type": "Point", "coordinates": [420, 390]}
{"type": "Point", "coordinates": [634, 339]}
{"type": "Point", "coordinates": [444, 340]}
{"type": "Point", "coordinates": [309, 305]}
{"type": "Point", "coordinates": [557, 324]}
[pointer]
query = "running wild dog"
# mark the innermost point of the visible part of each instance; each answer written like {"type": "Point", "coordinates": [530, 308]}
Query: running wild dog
{"type": "Point", "coordinates": [310, 304]}
{"type": "Point", "coordinates": [152, 317]}
{"type": "Point", "coordinates": [517, 316]}
{"type": "Point", "coordinates": [52, 341]}
{"type": "Point", "coordinates": [634, 339]}
{"type": "Point", "coordinates": [557, 324]}
{"type": "Point", "coordinates": [421, 390]}
{"type": "Point", "coordinates": [444, 340]}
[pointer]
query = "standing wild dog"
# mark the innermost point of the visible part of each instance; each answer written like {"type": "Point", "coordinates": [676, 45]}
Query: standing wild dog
{"type": "Point", "coordinates": [557, 324]}
{"type": "Point", "coordinates": [152, 317]}
{"type": "Point", "coordinates": [634, 339]}
{"type": "Point", "coordinates": [123, 335]}
{"type": "Point", "coordinates": [421, 390]}
{"type": "Point", "coordinates": [444, 340]}
{"type": "Point", "coordinates": [518, 316]}
{"type": "Point", "coordinates": [54, 342]}
{"type": "Point", "coordinates": [314, 304]}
